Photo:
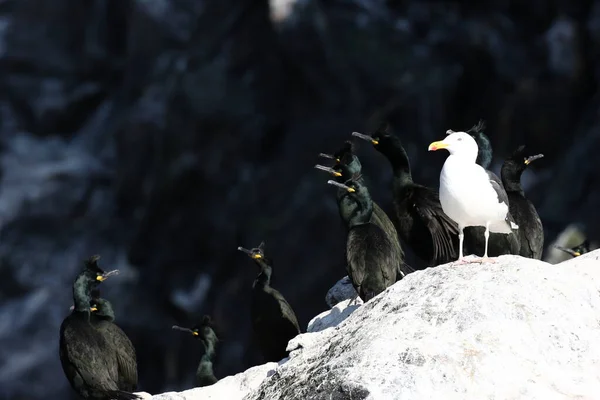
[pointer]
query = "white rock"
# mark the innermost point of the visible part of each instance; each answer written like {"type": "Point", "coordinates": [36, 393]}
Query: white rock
{"type": "Point", "coordinates": [342, 290]}
{"type": "Point", "coordinates": [514, 329]}
{"type": "Point", "coordinates": [333, 317]}
{"type": "Point", "coordinates": [229, 388]}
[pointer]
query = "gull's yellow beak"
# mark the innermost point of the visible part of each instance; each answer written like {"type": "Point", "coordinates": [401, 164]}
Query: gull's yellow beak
{"type": "Point", "coordinates": [576, 254]}
{"type": "Point", "coordinates": [437, 145]}
{"type": "Point", "coordinates": [257, 256]}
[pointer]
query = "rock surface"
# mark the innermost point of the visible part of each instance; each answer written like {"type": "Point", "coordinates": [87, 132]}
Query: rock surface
{"type": "Point", "coordinates": [162, 134]}
{"type": "Point", "coordinates": [517, 328]}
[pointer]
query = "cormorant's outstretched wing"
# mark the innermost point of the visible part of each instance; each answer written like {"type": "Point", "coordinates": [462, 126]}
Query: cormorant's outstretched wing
{"type": "Point", "coordinates": [425, 203]}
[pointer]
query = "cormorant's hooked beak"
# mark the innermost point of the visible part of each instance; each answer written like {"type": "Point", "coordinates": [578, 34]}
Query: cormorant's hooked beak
{"type": "Point", "coordinates": [105, 275]}
{"type": "Point", "coordinates": [91, 308]}
{"type": "Point", "coordinates": [438, 145]}
{"type": "Point", "coordinates": [568, 251]}
{"type": "Point", "coordinates": [365, 137]}
{"type": "Point", "coordinates": [250, 253]}
{"type": "Point", "coordinates": [341, 185]}
{"type": "Point", "coordinates": [327, 169]}
{"type": "Point", "coordinates": [188, 330]}
{"type": "Point", "coordinates": [531, 159]}
{"type": "Point", "coordinates": [329, 156]}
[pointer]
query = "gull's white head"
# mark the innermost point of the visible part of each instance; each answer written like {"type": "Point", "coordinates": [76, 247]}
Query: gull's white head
{"type": "Point", "coordinates": [457, 143]}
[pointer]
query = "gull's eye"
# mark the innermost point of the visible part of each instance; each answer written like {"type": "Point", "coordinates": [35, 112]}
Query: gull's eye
{"type": "Point", "coordinates": [459, 139]}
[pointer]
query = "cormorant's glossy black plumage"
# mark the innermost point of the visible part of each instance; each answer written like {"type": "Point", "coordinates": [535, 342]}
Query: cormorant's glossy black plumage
{"type": "Point", "coordinates": [531, 231]}
{"type": "Point", "coordinates": [498, 243]}
{"type": "Point", "coordinates": [345, 156]}
{"type": "Point", "coordinates": [274, 322]}
{"type": "Point", "coordinates": [86, 357]}
{"type": "Point", "coordinates": [204, 374]}
{"type": "Point", "coordinates": [577, 250]}
{"type": "Point", "coordinates": [103, 317]}
{"type": "Point", "coordinates": [372, 262]}
{"type": "Point", "coordinates": [419, 218]}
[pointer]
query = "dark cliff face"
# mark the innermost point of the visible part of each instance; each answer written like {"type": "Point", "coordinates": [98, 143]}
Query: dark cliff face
{"type": "Point", "coordinates": [164, 134]}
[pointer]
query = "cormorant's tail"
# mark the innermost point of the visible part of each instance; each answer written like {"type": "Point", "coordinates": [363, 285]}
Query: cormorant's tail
{"type": "Point", "coordinates": [121, 395]}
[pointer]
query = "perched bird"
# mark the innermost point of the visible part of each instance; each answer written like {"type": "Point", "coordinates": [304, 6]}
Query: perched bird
{"type": "Point", "coordinates": [102, 318]}
{"type": "Point", "coordinates": [345, 156]}
{"type": "Point", "coordinates": [274, 322]}
{"type": "Point", "coordinates": [88, 360]}
{"type": "Point", "coordinates": [204, 331]}
{"type": "Point", "coordinates": [531, 231]}
{"type": "Point", "coordinates": [577, 250]}
{"type": "Point", "coordinates": [372, 262]}
{"type": "Point", "coordinates": [468, 193]}
{"type": "Point", "coordinates": [498, 243]}
{"type": "Point", "coordinates": [419, 217]}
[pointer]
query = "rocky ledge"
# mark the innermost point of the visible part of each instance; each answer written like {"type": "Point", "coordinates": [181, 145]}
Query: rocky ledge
{"type": "Point", "coordinates": [516, 328]}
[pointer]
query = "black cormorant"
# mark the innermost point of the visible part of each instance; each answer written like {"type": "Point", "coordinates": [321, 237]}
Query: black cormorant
{"type": "Point", "coordinates": [87, 358]}
{"type": "Point", "coordinates": [345, 156]}
{"type": "Point", "coordinates": [274, 323]}
{"type": "Point", "coordinates": [103, 317]}
{"type": "Point", "coordinates": [531, 231]}
{"type": "Point", "coordinates": [577, 250]}
{"type": "Point", "coordinates": [372, 262]}
{"type": "Point", "coordinates": [419, 217]}
{"type": "Point", "coordinates": [204, 331]}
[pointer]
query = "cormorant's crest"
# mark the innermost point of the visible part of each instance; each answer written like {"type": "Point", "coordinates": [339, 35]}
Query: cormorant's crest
{"type": "Point", "coordinates": [256, 252]}
{"type": "Point", "coordinates": [91, 264]}
{"type": "Point", "coordinates": [520, 157]}
{"type": "Point", "coordinates": [206, 320]}
{"type": "Point", "coordinates": [382, 129]}
{"type": "Point", "coordinates": [344, 155]}
{"type": "Point", "coordinates": [477, 128]}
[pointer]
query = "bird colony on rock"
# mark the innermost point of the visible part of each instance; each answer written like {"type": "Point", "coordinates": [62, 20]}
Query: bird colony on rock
{"type": "Point", "coordinates": [474, 212]}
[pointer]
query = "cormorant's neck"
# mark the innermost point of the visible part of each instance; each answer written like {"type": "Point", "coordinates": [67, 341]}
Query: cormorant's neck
{"type": "Point", "coordinates": [105, 310]}
{"type": "Point", "coordinates": [363, 209]}
{"type": "Point", "coordinates": [209, 347]}
{"type": "Point", "coordinates": [511, 180]}
{"type": "Point", "coordinates": [264, 276]}
{"type": "Point", "coordinates": [400, 163]}
{"type": "Point", "coordinates": [81, 294]}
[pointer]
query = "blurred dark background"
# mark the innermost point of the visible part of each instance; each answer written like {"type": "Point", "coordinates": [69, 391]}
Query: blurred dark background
{"type": "Point", "coordinates": [162, 134]}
